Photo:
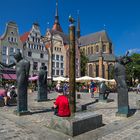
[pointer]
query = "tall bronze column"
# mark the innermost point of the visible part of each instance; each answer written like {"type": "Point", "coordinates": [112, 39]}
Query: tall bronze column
{"type": "Point", "coordinates": [72, 96]}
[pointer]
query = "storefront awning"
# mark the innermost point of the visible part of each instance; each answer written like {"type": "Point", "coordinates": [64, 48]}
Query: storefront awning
{"type": "Point", "coordinates": [9, 76]}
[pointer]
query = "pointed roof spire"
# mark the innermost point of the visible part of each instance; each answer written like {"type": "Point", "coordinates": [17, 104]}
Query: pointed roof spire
{"type": "Point", "coordinates": [78, 25]}
{"type": "Point", "coordinates": [56, 13]}
{"type": "Point", "coordinates": [56, 25]}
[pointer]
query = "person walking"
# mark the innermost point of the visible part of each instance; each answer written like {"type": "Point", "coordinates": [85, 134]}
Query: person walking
{"type": "Point", "coordinates": [92, 86]}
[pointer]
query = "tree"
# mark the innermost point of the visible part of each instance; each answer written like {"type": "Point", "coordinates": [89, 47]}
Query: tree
{"type": "Point", "coordinates": [83, 62]}
{"type": "Point", "coordinates": [133, 69]}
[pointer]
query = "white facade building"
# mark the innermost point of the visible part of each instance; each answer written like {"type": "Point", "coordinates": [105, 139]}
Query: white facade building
{"type": "Point", "coordinates": [34, 49]}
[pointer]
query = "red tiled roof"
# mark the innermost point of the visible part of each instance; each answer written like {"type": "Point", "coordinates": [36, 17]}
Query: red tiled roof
{"type": "Point", "coordinates": [48, 45]}
{"type": "Point", "coordinates": [57, 27]}
{"type": "Point", "coordinates": [24, 37]}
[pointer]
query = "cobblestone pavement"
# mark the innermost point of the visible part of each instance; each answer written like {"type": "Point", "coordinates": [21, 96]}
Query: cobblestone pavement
{"type": "Point", "coordinates": [34, 127]}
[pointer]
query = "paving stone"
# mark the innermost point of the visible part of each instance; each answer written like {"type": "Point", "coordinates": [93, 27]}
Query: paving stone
{"type": "Point", "coordinates": [34, 126]}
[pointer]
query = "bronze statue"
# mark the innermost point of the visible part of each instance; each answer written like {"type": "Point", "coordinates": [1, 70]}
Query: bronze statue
{"type": "Point", "coordinates": [22, 73]}
{"type": "Point", "coordinates": [120, 78]}
{"type": "Point", "coordinates": [42, 84]}
{"type": "Point", "coordinates": [103, 91]}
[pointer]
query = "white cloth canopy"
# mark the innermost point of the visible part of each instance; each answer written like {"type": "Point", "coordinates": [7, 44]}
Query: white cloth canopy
{"type": "Point", "coordinates": [112, 80]}
{"type": "Point", "coordinates": [99, 79]}
{"type": "Point", "coordinates": [84, 79]}
{"type": "Point", "coordinates": [60, 78]}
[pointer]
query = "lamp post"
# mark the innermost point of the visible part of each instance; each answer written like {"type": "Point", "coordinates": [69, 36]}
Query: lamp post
{"type": "Point", "coordinates": [51, 39]}
{"type": "Point", "coordinates": [72, 98]}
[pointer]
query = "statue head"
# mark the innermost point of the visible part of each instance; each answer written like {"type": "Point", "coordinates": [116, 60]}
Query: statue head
{"type": "Point", "coordinates": [18, 56]}
{"type": "Point", "coordinates": [45, 67]}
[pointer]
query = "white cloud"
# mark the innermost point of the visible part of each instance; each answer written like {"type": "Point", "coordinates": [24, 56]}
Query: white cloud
{"type": "Point", "coordinates": [136, 50]}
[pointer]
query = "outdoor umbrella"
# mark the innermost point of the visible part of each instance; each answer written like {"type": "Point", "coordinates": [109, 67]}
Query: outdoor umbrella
{"type": "Point", "coordinates": [60, 78]}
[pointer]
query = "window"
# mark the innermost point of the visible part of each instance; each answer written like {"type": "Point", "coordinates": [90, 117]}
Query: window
{"type": "Point", "coordinates": [29, 54]}
{"type": "Point", "coordinates": [88, 50]}
{"type": "Point", "coordinates": [90, 70]}
{"type": "Point", "coordinates": [9, 39]}
{"type": "Point", "coordinates": [18, 50]}
{"type": "Point", "coordinates": [61, 65]}
{"type": "Point", "coordinates": [57, 72]}
{"type": "Point", "coordinates": [91, 50]}
{"type": "Point", "coordinates": [29, 45]}
{"type": "Point", "coordinates": [42, 64]}
{"type": "Point", "coordinates": [104, 48]}
{"type": "Point", "coordinates": [11, 51]}
{"type": "Point", "coordinates": [57, 57]}
{"type": "Point", "coordinates": [84, 52]}
{"type": "Point", "coordinates": [4, 60]}
{"type": "Point", "coordinates": [35, 65]}
{"type": "Point", "coordinates": [57, 64]}
{"type": "Point", "coordinates": [53, 64]}
{"type": "Point", "coordinates": [53, 56]}
{"type": "Point", "coordinates": [41, 55]}
{"type": "Point", "coordinates": [12, 39]}
{"type": "Point", "coordinates": [15, 40]}
{"type": "Point", "coordinates": [53, 72]}
{"type": "Point", "coordinates": [11, 61]}
{"type": "Point", "coordinates": [62, 72]}
{"type": "Point", "coordinates": [61, 57]}
{"type": "Point", "coordinates": [97, 70]}
{"type": "Point", "coordinates": [97, 48]}
{"type": "Point", "coordinates": [4, 51]}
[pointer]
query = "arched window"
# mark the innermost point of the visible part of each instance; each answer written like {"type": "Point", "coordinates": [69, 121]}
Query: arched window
{"type": "Point", "coordinates": [88, 50]}
{"type": "Point", "coordinates": [90, 70]}
{"type": "Point", "coordinates": [104, 48]}
{"type": "Point", "coordinates": [84, 51]}
{"type": "Point", "coordinates": [91, 50]}
{"type": "Point", "coordinates": [97, 70]}
{"type": "Point", "coordinates": [97, 48]}
{"type": "Point", "coordinates": [103, 71]}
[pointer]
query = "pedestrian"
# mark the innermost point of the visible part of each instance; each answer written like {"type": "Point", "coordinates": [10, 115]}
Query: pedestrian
{"type": "Point", "coordinates": [138, 88]}
{"type": "Point", "coordinates": [58, 85]}
{"type": "Point", "coordinates": [92, 86]}
{"type": "Point", "coordinates": [65, 88]}
{"type": "Point", "coordinates": [3, 96]}
{"type": "Point", "coordinates": [61, 105]}
{"type": "Point", "coordinates": [12, 92]}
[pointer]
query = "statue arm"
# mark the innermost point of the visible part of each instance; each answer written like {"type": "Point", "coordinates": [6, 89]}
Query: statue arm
{"type": "Point", "coordinates": [45, 78]}
{"type": "Point", "coordinates": [8, 66]}
{"type": "Point", "coordinates": [27, 68]}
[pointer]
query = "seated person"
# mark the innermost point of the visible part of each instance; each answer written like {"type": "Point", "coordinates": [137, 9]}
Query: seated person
{"type": "Point", "coordinates": [61, 105]}
{"type": "Point", "coordinates": [12, 92]}
{"type": "Point", "coordinates": [3, 96]}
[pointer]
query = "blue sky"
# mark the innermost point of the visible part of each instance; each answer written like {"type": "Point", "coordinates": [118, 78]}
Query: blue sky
{"type": "Point", "coordinates": [120, 17]}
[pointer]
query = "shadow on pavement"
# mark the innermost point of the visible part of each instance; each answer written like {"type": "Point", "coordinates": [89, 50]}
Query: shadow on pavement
{"type": "Point", "coordinates": [84, 107]}
{"type": "Point", "coordinates": [42, 111]}
{"type": "Point", "coordinates": [132, 112]}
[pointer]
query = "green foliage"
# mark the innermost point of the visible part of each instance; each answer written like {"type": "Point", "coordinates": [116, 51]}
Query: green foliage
{"type": "Point", "coordinates": [133, 69]}
{"type": "Point", "coordinates": [84, 61]}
